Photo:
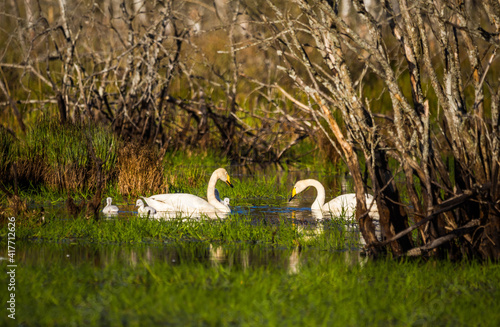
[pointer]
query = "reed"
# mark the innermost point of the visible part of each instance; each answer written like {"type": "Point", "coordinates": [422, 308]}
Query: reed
{"type": "Point", "coordinates": [139, 171]}
{"type": "Point", "coordinates": [9, 147]}
{"type": "Point", "coordinates": [61, 153]}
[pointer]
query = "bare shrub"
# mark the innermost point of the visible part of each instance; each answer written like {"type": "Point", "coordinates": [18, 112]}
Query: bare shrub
{"type": "Point", "coordinates": [414, 83]}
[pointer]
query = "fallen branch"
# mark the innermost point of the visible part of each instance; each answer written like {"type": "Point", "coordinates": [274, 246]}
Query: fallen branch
{"type": "Point", "coordinates": [439, 241]}
{"type": "Point", "coordinates": [447, 205]}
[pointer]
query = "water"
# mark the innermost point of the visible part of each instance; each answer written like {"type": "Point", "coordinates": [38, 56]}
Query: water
{"type": "Point", "coordinates": [157, 282]}
{"type": "Point", "coordinates": [239, 256]}
{"type": "Point", "coordinates": [271, 208]}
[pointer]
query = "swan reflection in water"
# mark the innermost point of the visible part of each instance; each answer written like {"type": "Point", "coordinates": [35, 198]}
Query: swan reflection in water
{"type": "Point", "coordinates": [219, 255]}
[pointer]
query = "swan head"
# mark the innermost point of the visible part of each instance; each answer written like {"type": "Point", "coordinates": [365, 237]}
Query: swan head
{"type": "Point", "coordinates": [222, 174]}
{"type": "Point", "coordinates": [139, 203]}
{"type": "Point", "coordinates": [108, 201]}
{"type": "Point", "coordinates": [300, 186]}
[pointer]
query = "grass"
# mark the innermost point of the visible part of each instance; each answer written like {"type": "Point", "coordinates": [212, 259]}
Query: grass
{"type": "Point", "coordinates": [8, 151]}
{"type": "Point", "coordinates": [183, 289]}
{"type": "Point", "coordinates": [57, 156]}
{"type": "Point", "coordinates": [52, 161]}
{"type": "Point", "coordinates": [134, 230]}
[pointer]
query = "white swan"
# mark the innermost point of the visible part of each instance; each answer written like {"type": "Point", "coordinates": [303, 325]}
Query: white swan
{"type": "Point", "coordinates": [109, 208]}
{"type": "Point", "coordinates": [344, 204]}
{"type": "Point", "coordinates": [144, 210]}
{"type": "Point", "coordinates": [192, 204]}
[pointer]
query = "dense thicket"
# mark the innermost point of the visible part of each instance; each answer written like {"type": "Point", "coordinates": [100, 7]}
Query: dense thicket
{"type": "Point", "coordinates": [151, 70]}
{"type": "Point", "coordinates": [434, 64]}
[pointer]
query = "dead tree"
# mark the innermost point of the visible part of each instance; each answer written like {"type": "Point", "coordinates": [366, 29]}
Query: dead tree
{"type": "Point", "coordinates": [432, 119]}
{"type": "Point", "coordinates": [149, 70]}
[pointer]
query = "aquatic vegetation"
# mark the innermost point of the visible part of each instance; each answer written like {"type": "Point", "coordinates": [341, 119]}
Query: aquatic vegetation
{"type": "Point", "coordinates": [8, 152]}
{"type": "Point", "coordinates": [202, 284]}
{"type": "Point", "coordinates": [237, 228]}
{"type": "Point", "coordinates": [250, 190]}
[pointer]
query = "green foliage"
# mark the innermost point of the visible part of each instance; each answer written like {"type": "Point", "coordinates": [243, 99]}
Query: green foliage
{"type": "Point", "coordinates": [330, 289]}
{"type": "Point", "coordinates": [8, 150]}
{"type": "Point", "coordinates": [261, 186]}
{"type": "Point", "coordinates": [57, 156]}
{"type": "Point", "coordinates": [67, 145]}
{"type": "Point", "coordinates": [236, 228]}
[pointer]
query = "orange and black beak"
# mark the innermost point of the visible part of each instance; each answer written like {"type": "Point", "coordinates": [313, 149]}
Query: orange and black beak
{"type": "Point", "coordinates": [294, 193]}
{"type": "Point", "coordinates": [228, 182]}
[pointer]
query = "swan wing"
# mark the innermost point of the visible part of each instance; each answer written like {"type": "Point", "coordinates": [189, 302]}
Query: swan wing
{"type": "Point", "coordinates": [158, 205]}
{"type": "Point", "coordinates": [345, 205]}
{"type": "Point", "coordinates": [187, 203]}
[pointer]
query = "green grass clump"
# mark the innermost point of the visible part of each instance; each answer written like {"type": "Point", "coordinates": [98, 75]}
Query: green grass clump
{"type": "Point", "coordinates": [9, 147]}
{"type": "Point", "coordinates": [62, 152]}
{"type": "Point", "coordinates": [324, 290]}
{"type": "Point", "coordinates": [66, 145]}
{"type": "Point", "coordinates": [234, 229]}
{"type": "Point", "coordinates": [260, 186]}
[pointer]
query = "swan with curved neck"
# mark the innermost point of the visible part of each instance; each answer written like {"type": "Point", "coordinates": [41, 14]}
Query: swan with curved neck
{"type": "Point", "coordinates": [344, 204]}
{"type": "Point", "coordinates": [189, 203]}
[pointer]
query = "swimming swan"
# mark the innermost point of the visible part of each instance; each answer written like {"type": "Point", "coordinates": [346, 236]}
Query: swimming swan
{"type": "Point", "coordinates": [144, 210]}
{"type": "Point", "coordinates": [109, 208]}
{"type": "Point", "coordinates": [344, 204]}
{"type": "Point", "coordinates": [192, 204]}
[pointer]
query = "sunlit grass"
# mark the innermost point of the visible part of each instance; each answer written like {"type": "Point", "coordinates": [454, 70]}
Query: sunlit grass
{"type": "Point", "coordinates": [324, 290]}
{"type": "Point", "coordinates": [234, 229]}
{"type": "Point", "coordinates": [58, 158]}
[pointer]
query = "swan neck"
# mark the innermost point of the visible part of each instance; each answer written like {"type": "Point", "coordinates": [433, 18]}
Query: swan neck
{"type": "Point", "coordinates": [320, 197]}
{"type": "Point", "coordinates": [211, 193]}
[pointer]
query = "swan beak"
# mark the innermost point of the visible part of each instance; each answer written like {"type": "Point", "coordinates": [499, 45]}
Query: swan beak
{"type": "Point", "coordinates": [294, 193]}
{"type": "Point", "coordinates": [228, 182]}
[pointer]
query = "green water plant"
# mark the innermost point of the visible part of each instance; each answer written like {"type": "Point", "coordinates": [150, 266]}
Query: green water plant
{"type": "Point", "coordinates": [285, 288]}
{"type": "Point", "coordinates": [234, 229]}
{"type": "Point", "coordinates": [9, 147]}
